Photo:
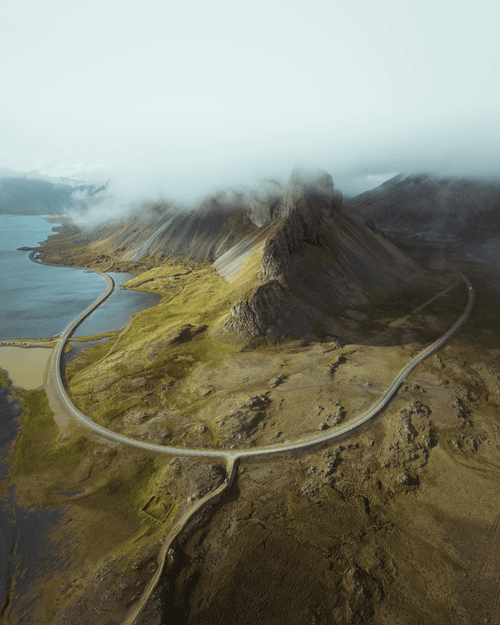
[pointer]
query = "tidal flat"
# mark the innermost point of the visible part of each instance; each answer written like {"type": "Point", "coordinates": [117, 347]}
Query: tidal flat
{"type": "Point", "coordinates": [25, 367]}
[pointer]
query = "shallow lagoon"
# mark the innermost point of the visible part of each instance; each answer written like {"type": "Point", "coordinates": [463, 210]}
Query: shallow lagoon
{"type": "Point", "coordinates": [38, 301]}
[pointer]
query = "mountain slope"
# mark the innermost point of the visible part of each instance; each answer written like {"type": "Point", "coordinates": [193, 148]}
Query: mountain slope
{"type": "Point", "coordinates": [423, 209]}
{"type": "Point", "coordinates": [26, 196]}
{"type": "Point", "coordinates": [292, 259]}
{"type": "Point", "coordinates": [431, 206]}
{"type": "Point", "coordinates": [315, 259]}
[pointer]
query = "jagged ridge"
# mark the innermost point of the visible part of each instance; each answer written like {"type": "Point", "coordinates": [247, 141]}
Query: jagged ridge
{"type": "Point", "coordinates": [309, 255]}
{"type": "Point", "coordinates": [316, 258]}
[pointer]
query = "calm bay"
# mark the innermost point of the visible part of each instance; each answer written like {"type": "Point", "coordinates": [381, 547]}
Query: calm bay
{"type": "Point", "coordinates": [39, 301]}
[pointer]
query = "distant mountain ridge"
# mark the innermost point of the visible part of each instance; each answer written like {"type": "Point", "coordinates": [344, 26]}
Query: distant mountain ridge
{"type": "Point", "coordinates": [33, 194]}
{"type": "Point", "coordinates": [34, 174]}
{"type": "Point", "coordinates": [425, 203]}
{"type": "Point", "coordinates": [423, 208]}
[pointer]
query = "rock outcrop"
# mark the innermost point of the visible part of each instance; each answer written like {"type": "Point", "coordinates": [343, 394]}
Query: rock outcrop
{"type": "Point", "coordinates": [300, 221]}
{"type": "Point", "coordinates": [313, 188]}
{"type": "Point", "coordinates": [184, 334]}
{"type": "Point", "coordinates": [241, 423]}
{"type": "Point", "coordinates": [270, 310]}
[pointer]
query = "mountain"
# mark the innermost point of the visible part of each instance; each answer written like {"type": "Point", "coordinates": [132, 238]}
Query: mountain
{"type": "Point", "coordinates": [335, 533]}
{"type": "Point", "coordinates": [31, 194]}
{"type": "Point", "coordinates": [292, 255]}
{"type": "Point", "coordinates": [422, 208]}
{"type": "Point", "coordinates": [34, 174]}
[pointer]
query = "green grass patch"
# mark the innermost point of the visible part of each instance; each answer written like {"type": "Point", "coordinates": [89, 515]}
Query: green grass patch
{"type": "Point", "coordinates": [4, 379]}
{"type": "Point", "coordinates": [107, 415]}
{"type": "Point", "coordinates": [132, 488]}
{"type": "Point", "coordinates": [93, 337]}
{"type": "Point", "coordinates": [144, 348]}
{"type": "Point", "coordinates": [89, 357]}
{"type": "Point", "coordinates": [177, 370]}
{"type": "Point", "coordinates": [37, 447]}
{"type": "Point", "coordinates": [71, 452]}
{"type": "Point", "coordinates": [159, 507]}
{"type": "Point", "coordinates": [37, 417]}
{"type": "Point", "coordinates": [201, 301]}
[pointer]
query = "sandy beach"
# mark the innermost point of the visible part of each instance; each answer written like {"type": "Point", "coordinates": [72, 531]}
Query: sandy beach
{"type": "Point", "coordinates": [25, 367]}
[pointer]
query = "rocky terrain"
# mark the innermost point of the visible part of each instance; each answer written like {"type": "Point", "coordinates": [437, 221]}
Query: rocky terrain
{"type": "Point", "coordinates": [303, 320]}
{"type": "Point", "coordinates": [293, 255]}
{"type": "Point", "coordinates": [396, 524]}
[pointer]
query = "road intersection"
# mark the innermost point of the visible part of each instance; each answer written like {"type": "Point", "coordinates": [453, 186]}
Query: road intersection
{"type": "Point", "coordinates": [231, 457]}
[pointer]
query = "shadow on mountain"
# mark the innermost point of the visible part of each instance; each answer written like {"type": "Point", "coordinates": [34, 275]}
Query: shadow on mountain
{"type": "Point", "coordinates": [298, 264]}
{"type": "Point", "coordinates": [423, 209]}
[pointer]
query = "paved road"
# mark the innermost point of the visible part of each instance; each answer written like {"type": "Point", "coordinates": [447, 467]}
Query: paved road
{"type": "Point", "coordinates": [54, 375]}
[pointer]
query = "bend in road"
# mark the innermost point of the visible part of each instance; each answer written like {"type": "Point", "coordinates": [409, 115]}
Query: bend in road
{"type": "Point", "coordinates": [55, 374]}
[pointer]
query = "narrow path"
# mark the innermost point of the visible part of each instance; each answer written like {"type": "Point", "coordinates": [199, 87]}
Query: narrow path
{"type": "Point", "coordinates": [180, 524]}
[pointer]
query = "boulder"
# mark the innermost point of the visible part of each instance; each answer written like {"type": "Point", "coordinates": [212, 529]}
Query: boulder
{"type": "Point", "coordinates": [239, 424]}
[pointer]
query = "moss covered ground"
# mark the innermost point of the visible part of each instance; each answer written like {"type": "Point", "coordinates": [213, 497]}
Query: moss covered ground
{"type": "Point", "coordinates": [105, 517]}
{"type": "Point", "coordinates": [397, 524]}
{"type": "Point", "coordinates": [146, 384]}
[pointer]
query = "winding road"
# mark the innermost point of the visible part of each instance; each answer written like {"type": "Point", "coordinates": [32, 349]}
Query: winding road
{"type": "Point", "coordinates": [231, 457]}
{"type": "Point", "coordinates": [54, 374]}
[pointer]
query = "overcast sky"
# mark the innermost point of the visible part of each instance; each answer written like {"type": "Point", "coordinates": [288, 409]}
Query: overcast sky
{"type": "Point", "coordinates": [178, 98]}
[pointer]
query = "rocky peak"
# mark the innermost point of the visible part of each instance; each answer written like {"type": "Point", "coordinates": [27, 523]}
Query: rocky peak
{"type": "Point", "coordinates": [315, 257]}
{"type": "Point", "coordinates": [318, 181]}
{"type": "Point", "coordinates": [308, 199]}
{"type": "Point", "coordinates": [306, 188]}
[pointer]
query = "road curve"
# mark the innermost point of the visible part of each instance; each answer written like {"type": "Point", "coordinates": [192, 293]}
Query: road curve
{"type": "Point", "coordinates": [55, 374]}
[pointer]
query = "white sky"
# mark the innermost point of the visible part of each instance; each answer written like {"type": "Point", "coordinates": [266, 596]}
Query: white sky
{"type": "Point", "coordinates": [178, 98]}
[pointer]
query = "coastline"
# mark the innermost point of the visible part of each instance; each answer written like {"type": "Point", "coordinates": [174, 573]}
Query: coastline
{"type": "Point", "coordinates": [43, 474]}
{"type": "Point", "coordinates": [128, 504]}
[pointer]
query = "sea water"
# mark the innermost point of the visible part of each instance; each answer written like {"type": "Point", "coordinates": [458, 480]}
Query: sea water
{"type": "Point", "coordinates": [37, 301]}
